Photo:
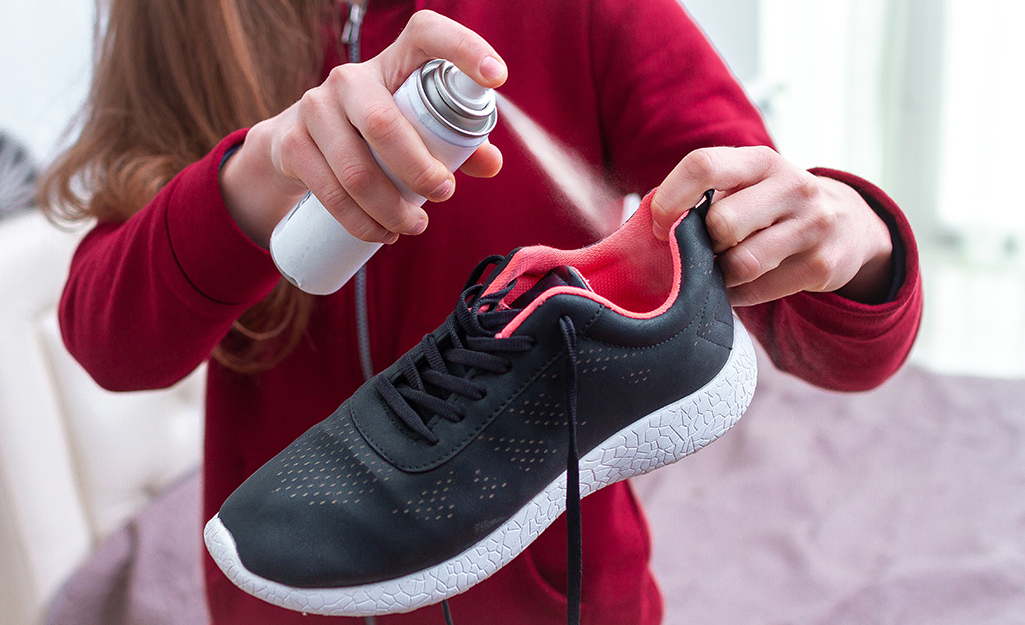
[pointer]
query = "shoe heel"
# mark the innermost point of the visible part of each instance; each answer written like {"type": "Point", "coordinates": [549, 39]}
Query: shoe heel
{"type": "Point", "coordinates": [679, 429]}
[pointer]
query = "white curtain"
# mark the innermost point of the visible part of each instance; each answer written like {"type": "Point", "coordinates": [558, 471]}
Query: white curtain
{"type": "Point", "coordinates": [924, 97]}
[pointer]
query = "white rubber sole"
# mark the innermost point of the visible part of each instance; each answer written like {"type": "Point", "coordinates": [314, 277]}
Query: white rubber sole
{"type": "Point", "coordinates": [661, 438]}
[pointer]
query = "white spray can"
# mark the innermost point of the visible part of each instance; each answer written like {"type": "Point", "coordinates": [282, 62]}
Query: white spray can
{"type": "Point", "coordinates": [451, 113]}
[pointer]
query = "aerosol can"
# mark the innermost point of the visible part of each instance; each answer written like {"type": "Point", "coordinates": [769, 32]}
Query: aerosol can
{"type": "Point", "coordinates": [452, 114]}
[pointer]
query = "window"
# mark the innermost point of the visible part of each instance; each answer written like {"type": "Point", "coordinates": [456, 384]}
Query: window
{"type": "Point", "coordinates": [922, 97]}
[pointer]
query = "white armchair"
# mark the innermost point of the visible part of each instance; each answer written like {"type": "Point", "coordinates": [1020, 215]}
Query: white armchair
{"type": "Point", "coordinates": [76, 461]}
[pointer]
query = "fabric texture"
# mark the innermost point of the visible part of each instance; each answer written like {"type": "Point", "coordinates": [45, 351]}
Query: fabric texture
{"type": "Point", "coordinates": [633, 87]}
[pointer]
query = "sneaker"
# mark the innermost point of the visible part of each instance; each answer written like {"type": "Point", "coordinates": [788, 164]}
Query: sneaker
{"type": "Point", "coordinates": [560, 373]}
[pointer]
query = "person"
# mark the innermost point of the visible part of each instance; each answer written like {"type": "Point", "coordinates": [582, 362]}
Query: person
{"type": "Point", "coordinates": [821, 265]}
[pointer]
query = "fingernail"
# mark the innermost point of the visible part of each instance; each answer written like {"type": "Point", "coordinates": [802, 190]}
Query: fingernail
{"type": "Point", "coordinates": [419, 227]}
{"type": "Point", "coordinates": [491, 68]}
{"type": "Point", "coordinates": [444, 191]}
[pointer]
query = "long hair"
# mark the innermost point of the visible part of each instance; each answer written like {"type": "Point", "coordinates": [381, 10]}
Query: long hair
{"type": "Point", "coordinates": [171, 79]}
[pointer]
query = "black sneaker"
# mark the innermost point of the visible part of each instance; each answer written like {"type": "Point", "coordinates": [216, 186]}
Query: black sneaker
{"type": "Point", "coordinates": [447, 465]}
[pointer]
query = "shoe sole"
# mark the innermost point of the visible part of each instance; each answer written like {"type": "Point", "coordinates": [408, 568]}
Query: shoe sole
{"type": "Point", "coordinates": [657, 440]}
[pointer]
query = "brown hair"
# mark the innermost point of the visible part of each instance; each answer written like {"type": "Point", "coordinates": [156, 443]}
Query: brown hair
{"type": "Point", "coordinates": [171, 80]}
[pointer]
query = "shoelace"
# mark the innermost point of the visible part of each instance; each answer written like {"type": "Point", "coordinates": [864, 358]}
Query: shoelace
{"type": "Point", "coordinates": [574, 526]}
{"type": "Point", "coordinates": [426, 385]}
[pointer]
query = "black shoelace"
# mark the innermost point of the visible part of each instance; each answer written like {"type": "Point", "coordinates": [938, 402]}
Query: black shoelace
{"type": "Point", "coordinates": [469, 344]}
{"type": "Point", "coordinates": [574, 526]}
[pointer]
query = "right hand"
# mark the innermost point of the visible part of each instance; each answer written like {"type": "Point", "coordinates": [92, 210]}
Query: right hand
{"type": "Point", "coordinates": [320, 142]}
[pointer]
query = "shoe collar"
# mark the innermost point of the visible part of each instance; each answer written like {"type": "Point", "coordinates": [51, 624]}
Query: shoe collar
{"type": "Point", "coordinates": [612, 268]}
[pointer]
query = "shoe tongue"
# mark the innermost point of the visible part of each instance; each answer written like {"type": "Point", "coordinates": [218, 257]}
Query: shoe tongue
{"type": "Point", "coordinates": [563, 275]}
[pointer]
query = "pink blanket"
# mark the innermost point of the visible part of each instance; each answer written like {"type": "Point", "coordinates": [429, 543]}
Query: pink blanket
{"type": "Point", "coordinates": [903, 506]}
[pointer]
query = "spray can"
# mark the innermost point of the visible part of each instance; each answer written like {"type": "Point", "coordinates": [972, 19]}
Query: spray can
{"type": "Point", "coordinates": [451, 113]}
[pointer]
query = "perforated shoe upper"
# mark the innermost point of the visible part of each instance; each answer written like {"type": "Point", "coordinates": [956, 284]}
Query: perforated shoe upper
{"type": "Point", "coordinates": [364, 497]}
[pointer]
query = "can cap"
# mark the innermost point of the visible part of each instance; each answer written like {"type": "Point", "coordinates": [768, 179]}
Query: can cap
{"type": "Point", "coordinates": [468, 91]}
{"type": "Point", "coordinates": [457, 100]}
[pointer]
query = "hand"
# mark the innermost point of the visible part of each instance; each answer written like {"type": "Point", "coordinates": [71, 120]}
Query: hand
{"type": "Point", "coordinates": [318, 143]}
{"type": "Point", "coordinates": [777, 229]}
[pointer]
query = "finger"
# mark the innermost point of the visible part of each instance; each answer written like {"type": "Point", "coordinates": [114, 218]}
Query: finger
{"type": "Point", "coordinates": [778, 283]}
{"type": "Point", "coordinates": [740, 214]}
{"type": "Point", "coordinates": [763, 252]}
{"type": "Point", "coordinates": [485, 162]}
{"type": "Point", "coordinates": [795, 274]}
{"type": "Point", "coordinates": [357, 174]}
{"type": "Point", "coordinates": [380, 123]}
{"type": "Point", "coordinates": [769, 288]}
{"type": "Point", "coordinates": [322, 182]}
{"type": "Point", "coordinates": [720, 168]}
{"type": "Point", "coordinates": [401, 149]}
{"type": "Point", "coordinates": [428, 36]}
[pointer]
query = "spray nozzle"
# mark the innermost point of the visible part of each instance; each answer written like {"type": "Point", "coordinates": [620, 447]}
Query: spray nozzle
{"type": "Point", "coordinates": [456, 100]}
{"type": "Point", "coordinates": [467, 89]}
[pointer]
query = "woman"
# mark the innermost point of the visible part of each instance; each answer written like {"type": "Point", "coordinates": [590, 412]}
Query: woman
{"type": "Point", "coordinates": [821, 264]}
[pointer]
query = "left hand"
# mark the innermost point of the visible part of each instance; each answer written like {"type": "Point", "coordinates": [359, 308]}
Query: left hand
{"type": "Point", "coordinates": [777, 229]}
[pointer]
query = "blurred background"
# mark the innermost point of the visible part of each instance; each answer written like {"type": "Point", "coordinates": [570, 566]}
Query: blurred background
{"type": "Point", "coordinates": [923, 97]}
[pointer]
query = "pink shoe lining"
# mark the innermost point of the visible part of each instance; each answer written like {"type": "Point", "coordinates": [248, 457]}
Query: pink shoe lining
{"type": "Point", "coordinates": [630, 271]}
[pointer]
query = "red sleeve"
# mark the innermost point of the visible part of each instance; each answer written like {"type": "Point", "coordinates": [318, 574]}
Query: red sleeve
{"type": "Point", "coordinates": [147, 300]}
{"type": "Point", "coordinates": [837, 343]}
{"type": "Point", "coordinates": [664, 91]}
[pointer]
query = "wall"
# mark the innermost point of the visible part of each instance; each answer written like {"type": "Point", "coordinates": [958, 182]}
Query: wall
{"type": "Point", "coordinates": [46, 49]}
